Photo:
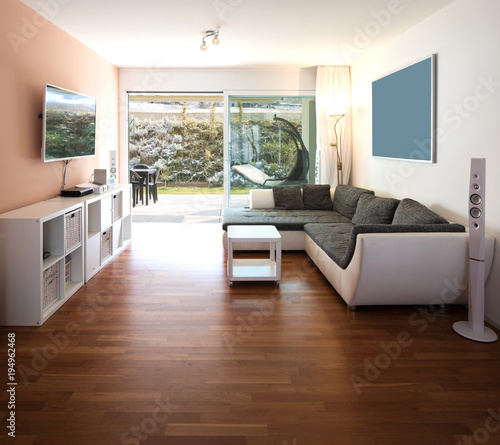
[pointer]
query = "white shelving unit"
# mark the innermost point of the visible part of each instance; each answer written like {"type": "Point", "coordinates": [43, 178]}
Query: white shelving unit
{"type": "Point", "coordinates": [81, 236]}
{"type": "Point", "coordinates": [32, 288]}
{"type": "Point", "coordinates": [108, 226]}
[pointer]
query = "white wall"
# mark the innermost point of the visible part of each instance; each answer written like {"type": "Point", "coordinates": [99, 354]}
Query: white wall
{"type": "Point", "coordinates": [465, 37]}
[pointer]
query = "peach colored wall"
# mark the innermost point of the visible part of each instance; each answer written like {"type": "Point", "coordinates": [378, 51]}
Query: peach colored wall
{"type": "Point", "coordinates": [33, 52]}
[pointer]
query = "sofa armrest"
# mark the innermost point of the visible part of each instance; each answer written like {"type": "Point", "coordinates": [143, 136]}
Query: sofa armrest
{"type": "Point", "coordinates": [405, 268]}
{"type": "Point", "coordinates": [262, 199]}
{"type": "Point", "coordinates": [406, 228]}
{"type": "Point", "coordinates": [392, 228]}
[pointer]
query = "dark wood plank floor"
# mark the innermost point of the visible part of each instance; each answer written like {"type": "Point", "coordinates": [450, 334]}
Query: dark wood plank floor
{"type": "Point", "coordinates": [158, 349]}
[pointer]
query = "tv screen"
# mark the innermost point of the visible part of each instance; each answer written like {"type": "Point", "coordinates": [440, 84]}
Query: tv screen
{"type": "Point", "coordinates": [69, 121]}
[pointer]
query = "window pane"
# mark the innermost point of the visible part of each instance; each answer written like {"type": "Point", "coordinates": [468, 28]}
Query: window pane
{"type": "Point", "coordinates": [272, 142]}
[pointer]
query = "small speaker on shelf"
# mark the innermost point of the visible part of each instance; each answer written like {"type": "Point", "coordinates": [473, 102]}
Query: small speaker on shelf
{"type": "Point", "coordinates": [100, 176]}
{"type": "Point", "coordinates": [474, 329]}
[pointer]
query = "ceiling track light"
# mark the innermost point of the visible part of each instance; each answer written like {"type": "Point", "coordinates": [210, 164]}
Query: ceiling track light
{"type": "Point", "coordinates": [215, 40]}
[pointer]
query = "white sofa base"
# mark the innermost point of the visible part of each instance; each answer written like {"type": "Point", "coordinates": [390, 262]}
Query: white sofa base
{"type": "Point", "coordinates": [416, 268]}
{"type": "Point", "coordinates": [402, 268]}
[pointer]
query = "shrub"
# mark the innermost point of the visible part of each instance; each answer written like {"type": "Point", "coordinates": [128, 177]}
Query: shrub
{"type": "Point", "coordinates": [191, 150]}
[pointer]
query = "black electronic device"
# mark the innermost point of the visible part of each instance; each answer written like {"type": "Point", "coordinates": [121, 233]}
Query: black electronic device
{"type": "Point", "coordinates": [75, 192]}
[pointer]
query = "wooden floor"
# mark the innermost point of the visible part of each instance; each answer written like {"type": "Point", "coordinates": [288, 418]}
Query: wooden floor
{"type": "Point", "coordinates": [158, 349]}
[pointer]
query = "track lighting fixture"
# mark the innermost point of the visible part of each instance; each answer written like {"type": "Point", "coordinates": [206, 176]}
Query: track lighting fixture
{"type": "Point", "coordinates": [215, 40]}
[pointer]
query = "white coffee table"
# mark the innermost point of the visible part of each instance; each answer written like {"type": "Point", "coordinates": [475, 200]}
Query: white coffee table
{"type": "Point", "coordinates": [253, 269]}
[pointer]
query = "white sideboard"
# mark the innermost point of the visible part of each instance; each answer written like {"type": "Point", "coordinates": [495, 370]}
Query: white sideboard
{"type": "Point", "coordinates": [108, 225]}
{"type": "Point", "coordinates": [77, 236]}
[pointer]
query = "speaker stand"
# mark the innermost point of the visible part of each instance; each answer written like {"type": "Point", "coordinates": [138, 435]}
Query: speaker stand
{"type": "Point", "coordinates": [474, 329]}
{"type": "Point", "coordinates": [486, 336]}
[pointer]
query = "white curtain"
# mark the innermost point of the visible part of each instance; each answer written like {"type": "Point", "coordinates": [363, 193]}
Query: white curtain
{"type": "Point", "coordinates": [333, 96]}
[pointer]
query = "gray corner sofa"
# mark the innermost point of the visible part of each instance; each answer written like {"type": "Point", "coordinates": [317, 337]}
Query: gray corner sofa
{"type": "Point", "coordinates": [373, 250]}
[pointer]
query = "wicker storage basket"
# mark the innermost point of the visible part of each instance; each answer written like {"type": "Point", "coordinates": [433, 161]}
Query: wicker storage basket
{"type": "Point", "coordinates": [117, 206]}
{"type": "Point", "coordinates": [67, 270]}
{"type": "Point", "coordinates": [73, 229]}
{"type": "Point", "coordinates": [106, 243]}
{"type": "Point", "coordinates": [50, 285]}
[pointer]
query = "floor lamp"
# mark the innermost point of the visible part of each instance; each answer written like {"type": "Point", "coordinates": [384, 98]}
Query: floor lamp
{"type": "Point", "coordinates": [337, 130]}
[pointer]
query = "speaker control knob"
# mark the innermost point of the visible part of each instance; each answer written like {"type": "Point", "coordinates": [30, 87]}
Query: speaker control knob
{"type": "Point", "coordinates": [476, 199]}
{"type": "Point", "coordinates": [475, 212]}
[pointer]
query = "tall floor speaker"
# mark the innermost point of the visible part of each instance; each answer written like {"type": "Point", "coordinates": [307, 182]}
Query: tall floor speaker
{"type": "Point", "coordinates": [113, 171]}
{"type": "Point", "coordinates": [474, 329]}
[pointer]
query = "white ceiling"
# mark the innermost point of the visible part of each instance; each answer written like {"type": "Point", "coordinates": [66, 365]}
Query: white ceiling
{"type": "Point", "coordinates": [168, 33]}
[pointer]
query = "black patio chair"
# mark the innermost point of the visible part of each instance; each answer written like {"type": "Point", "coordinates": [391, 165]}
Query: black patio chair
{"type": "Point", "coordinates": [137, 182]}
{"type": "Point", "coordinates": [153, 185]}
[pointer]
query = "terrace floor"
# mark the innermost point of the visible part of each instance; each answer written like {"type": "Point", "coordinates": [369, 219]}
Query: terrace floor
{"type": "Point", "coordinates": [185, 208]}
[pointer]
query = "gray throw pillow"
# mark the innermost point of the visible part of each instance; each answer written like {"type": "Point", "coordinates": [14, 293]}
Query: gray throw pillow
{"type": "Point", "coordinates": [345, 199]}
{"type": "Point", "coordinates": [412, 212]}
{"type": "Point", "coordinates": [373, 209]}
{"type": "Point", "coordinates": [288, 197]}
{"type": "Point", "coordinates": [317, 197]}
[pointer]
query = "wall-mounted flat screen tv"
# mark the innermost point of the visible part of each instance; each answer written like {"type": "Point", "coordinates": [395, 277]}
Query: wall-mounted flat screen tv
{"type": "Point", "coordinates": [69, 123]}
{"type": "Point", "coordinates": [403, 113]}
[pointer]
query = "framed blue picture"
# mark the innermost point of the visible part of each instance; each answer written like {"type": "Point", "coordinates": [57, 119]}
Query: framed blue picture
{"type": "Point", "coordinates": [403, 113]}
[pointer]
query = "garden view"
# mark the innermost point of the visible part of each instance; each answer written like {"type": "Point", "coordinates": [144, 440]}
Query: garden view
{"type": "Point", "coordinates": [185, 141]}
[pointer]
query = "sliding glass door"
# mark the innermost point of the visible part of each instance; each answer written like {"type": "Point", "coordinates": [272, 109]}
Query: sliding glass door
{"type": "Point", "coordinates": [271, 142]}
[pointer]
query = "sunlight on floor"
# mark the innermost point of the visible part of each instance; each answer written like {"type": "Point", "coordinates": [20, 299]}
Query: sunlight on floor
{"type": "Point", "coordinates": [185, 208]}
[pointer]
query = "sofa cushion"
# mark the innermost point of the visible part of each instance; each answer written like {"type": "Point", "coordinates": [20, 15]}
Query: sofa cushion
{"type": "Point", "coordinates": [338, 241]}
{"type": "Point", "coordinates": [288, 197]}
{"type": "Point", "coordinates": [412, 212]}
{"type": "Point", "coordinates": [333, 239]}
{"type": "Point", "coordinates": [345, 199]}
{"type": "Point", "coordinates": [261, 199]}
{"type": "Point", "coordinates": [281, 219]}
{"type": "Point", "coordinates": [373, 209]}
{"type": "Point", "coordinates": [317, 197]}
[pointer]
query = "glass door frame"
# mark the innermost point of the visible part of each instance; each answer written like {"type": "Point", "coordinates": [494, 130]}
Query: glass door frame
{"type": "Point", "coordinates": [226, 126]}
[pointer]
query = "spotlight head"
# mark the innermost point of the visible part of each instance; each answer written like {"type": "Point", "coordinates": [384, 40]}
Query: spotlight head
{"type": "Point", "coordinates": [215, 40]}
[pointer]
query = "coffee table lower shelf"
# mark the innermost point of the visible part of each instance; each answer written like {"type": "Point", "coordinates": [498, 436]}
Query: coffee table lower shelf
{"type": "Point", "coordinates": [254, 269]}
{"type": "Point", "coordinates": [251, 269]}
